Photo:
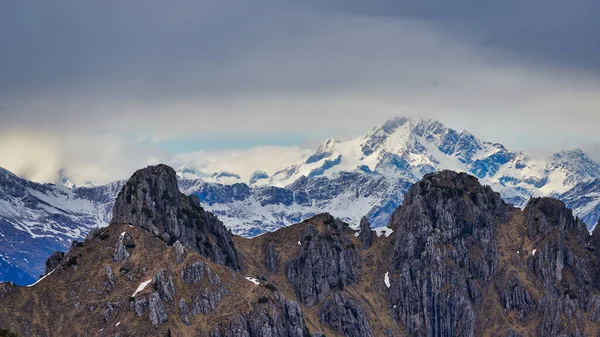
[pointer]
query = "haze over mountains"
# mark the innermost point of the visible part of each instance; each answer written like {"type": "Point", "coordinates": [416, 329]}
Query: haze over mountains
{"type": "Point", "coordinates": [368, 176]}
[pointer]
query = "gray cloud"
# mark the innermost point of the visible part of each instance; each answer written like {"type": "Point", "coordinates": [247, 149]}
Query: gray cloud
{"type": "Point", "coordinates": [75, 74]}
{"type": "Point", "coordinates": [543, 30]}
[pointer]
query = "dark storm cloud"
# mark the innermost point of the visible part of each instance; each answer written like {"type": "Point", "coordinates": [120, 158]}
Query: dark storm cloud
{"type": "Point", "coordinates": [138, 44]}
{"type": "Point", "coordinates": [558, 31]}
{"type": "Point", "coordinates": [148, 48]}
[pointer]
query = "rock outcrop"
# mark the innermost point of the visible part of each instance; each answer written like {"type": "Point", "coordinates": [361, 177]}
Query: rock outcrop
{"type": "Point", "coordinates": [111, 279]}
{"type": "Point", "coordinates": [6, 288]}
{"type": "Point", "coordinates": [444, 253]}
{"type": "Point", "coordinates": [345, 316]}
{"type": "Point", "coordinates": [53, 261]}
{"type": "Point", "coordinates": [513, 294]}
{"type": "Point", "coordinates": [151, 200]}
{"type": "Point", "coordinates": [163, 283]}
{"type": "Point", "coordinates": [121, 253]}
{"type": "Point", "coordinates": [366, 234]}
{"type": "Point", "coordinates": [179, 251]}
{"type": "Point", "coordinates": [157, 311]}
{"type": "Point", "coordinates": [565, 264]}
{"type": "Point", "coordinates": [326, 261]}
{"type": "Point", "coordinates": [272, 258]}
{"type": "Point", "coordinates": [210, 293]}
{"type": "Point", "coordinates": [275, 317]}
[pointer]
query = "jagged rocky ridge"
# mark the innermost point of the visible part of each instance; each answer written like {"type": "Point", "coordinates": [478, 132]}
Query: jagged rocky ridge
{"type": "Point", "coordinates": [367, 176]}
{"type": "Point", "coordinates": [447, 264]}
{"type": "Point", "coordinates": [460, 262]}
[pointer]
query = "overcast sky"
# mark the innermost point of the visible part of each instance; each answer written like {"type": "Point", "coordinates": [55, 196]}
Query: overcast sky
{"type": "Point", "coordinates": [101, 88]}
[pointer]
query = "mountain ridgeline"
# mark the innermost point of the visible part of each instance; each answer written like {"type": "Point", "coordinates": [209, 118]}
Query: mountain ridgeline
{"type": "Point", "coordinates": [363, 177]}
{"type": "Point", "coordinates": [459, 262]}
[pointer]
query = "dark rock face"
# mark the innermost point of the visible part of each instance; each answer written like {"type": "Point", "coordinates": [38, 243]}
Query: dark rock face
{"type": "Point", "coordinates": [139, 306]}
{"type": "Point", "coordinates": [594, 309]}
{"type": "Point", "coordinates": [53, 261]}
{"type": "Point", "coordinates": [152, 201]}
{"type": "Point", "coordinates": [210, 293]}
{"type": "Point", "coordinates": [366, 234]}
{"type": "Point", "coordinates": [163, 283]}
{"type": "Point", "coordinates": [565, 263]}
{"type": "Point", "coordinates": [272, 259]}
{"type": "Point", "coordinates": [444, 253]}
{"type": "Point", "coordinates": [545, 214]}
{"type": "Point", "coordinates": [111, 279]}
{"type": "Point", "coordinates": [111, 310]}
{"type": "Point", "coordinates": [121, 254]}
{"type": "Point", "coordinates": [326, 261]}
{"type": "Point", "coordinates": [157, 311]}
{"type": "Point", "coordinates": [179, 251]}
{"type": "Point", "coordinates": [277, 318]}
{"type": "Point", "coordinates": [206, 302]}
{"type": "Point", "coordinates": [552, 226]}
{"type": "Point", "coordinates": [196, 272]}
{"type": "Point", "coordinates": [513, 295]}
{"type": "Point", "coordinates": [512, 333]}
{"type": "Point", "coordinates": [184, 312]}
{"type": "Point", "coordinates": [345, 316]}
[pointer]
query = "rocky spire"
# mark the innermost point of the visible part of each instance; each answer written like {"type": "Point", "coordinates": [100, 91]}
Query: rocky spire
{"type": "Point", "coordinates": [151, 200]}
{"type": "Point", "coordinates": [438, 280]}
{"type": "Point", "coordinates": [326, 261]}
{"type": "Point", "coordinates": [365, 234]}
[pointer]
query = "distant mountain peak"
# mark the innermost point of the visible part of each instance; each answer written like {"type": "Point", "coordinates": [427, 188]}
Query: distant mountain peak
{"type": "Point", "coordinates": [324, 150]}
{"type": "Point", "coordinates": [257, 176]}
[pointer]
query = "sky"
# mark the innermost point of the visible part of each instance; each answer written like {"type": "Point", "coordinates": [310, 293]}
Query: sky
{"type": "Point", "coordinates": [101, 88]}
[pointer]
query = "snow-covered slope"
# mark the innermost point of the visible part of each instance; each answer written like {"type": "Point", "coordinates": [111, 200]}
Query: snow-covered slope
{"type": "Point", "coordinates": [584, 198]}
{"type": "Point", "coordinates": [252, 210]}
{"type": "Point", "coordinates": [37, 219]}
{"type": "Point", "coordinates": [410, 148]}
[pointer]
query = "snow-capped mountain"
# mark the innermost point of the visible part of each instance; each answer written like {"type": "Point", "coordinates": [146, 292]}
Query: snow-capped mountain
{"type": "Point", "coordinates": [410, 148]}
{"type": "Point", "coordinates": [368, 176]}
{"type": "Point", "coordinates": [584, 199]}
{"type": "Point", "coordinates": [252, 210]}
{"type": "Point", "coordinates": [38, 219]}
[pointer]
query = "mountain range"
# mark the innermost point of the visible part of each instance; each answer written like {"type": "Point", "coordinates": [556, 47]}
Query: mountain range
{"type": "Point", "coordinates": [367, 176]}
{"type": "Point", "coordinates": [455, 260]}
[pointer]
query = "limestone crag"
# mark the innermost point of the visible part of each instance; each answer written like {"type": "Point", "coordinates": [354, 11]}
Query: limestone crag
{"type": "Point", "coordinates": [566, 265]}
{"type": "Point", "coordinates": [345, 316]}
{"type": "Point", "coordinates": [326, 261]}
{"type": "Point", "coordinates": [366, 234]}
{"type": "Point", "coordinates": [151, 200]}
{"type": "Point", "coordinates": [274, 318]}
{"type": "Point", "coordinates": [444, 253]}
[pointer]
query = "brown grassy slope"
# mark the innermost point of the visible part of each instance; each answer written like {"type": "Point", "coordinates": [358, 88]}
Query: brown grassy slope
{"type": "Point", "coordinates": [71, 301]}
